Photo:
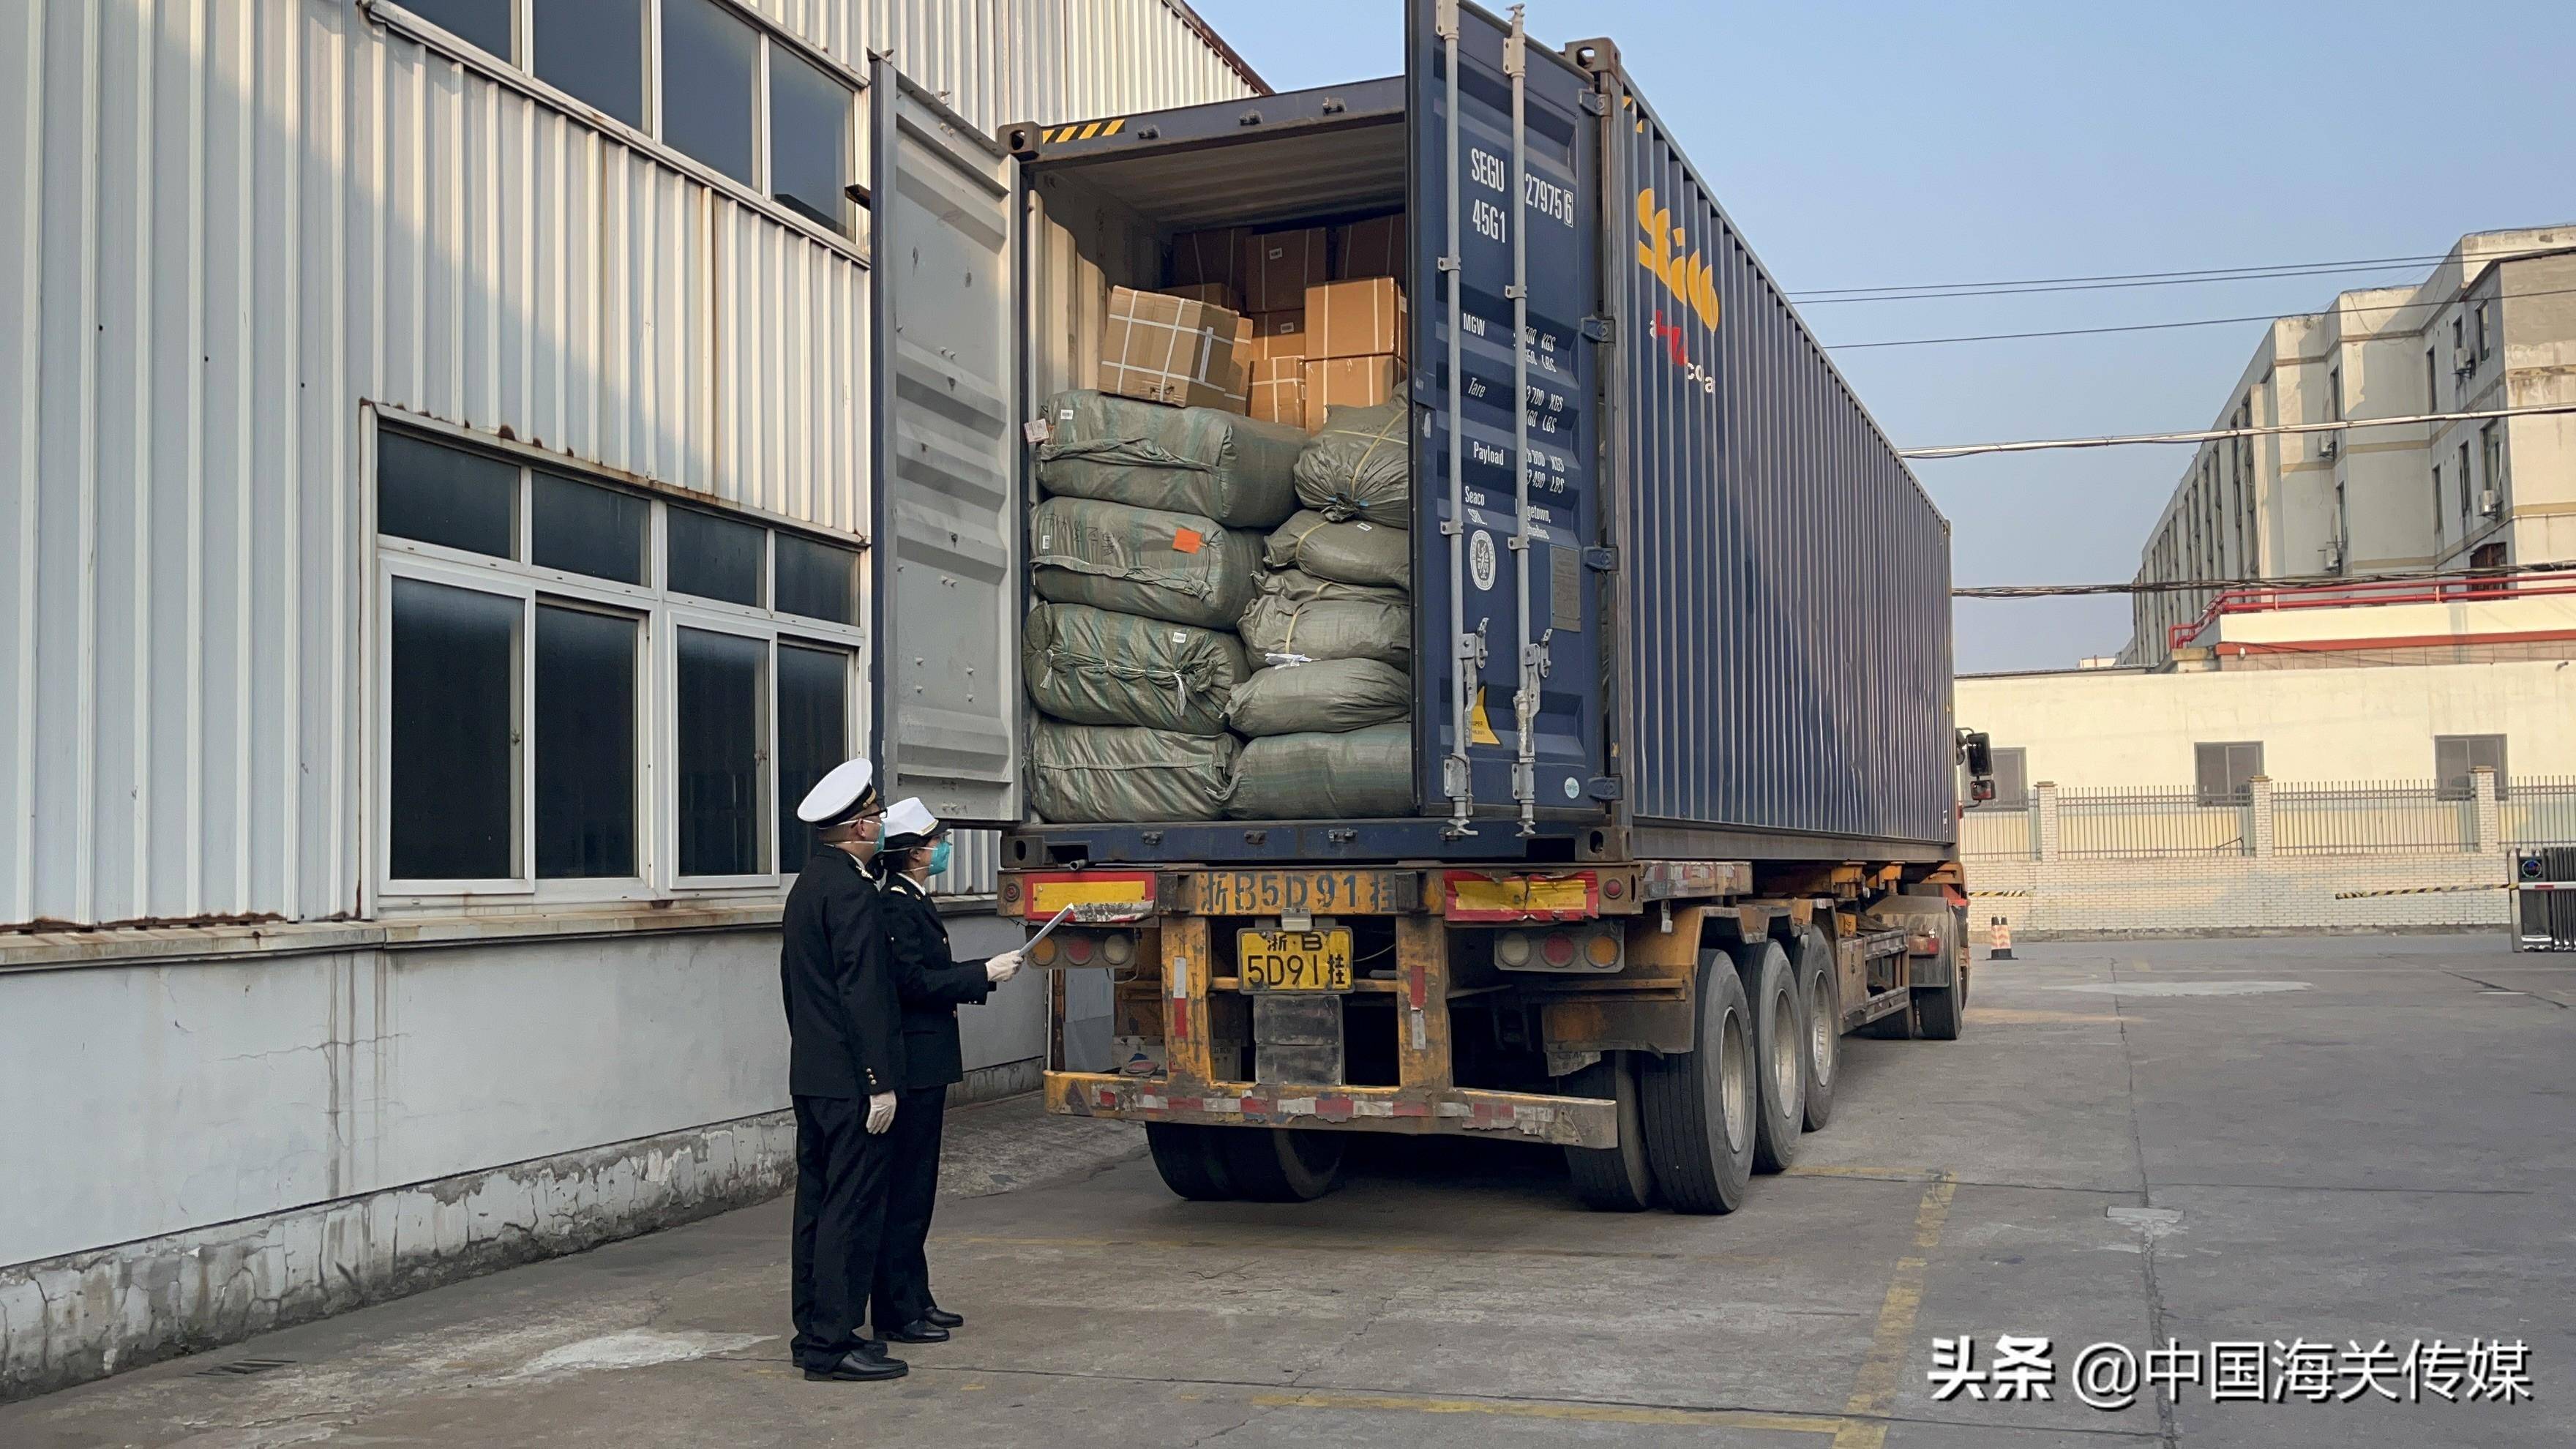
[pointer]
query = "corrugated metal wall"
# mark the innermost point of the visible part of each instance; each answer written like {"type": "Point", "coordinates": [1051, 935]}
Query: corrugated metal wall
{"type": "Point", "coordinates": [226, 223]}
{"type": "Point", "coordinates": [1787, 652]}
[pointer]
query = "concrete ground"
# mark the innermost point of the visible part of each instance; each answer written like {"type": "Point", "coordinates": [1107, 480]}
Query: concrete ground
{"type": "Point", "coordinates": [2336, 1139]}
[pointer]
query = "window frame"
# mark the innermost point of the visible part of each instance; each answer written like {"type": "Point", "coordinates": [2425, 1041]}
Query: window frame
{"type": "Point", "coordinates": [518, 71]}
{"type": "Point", "coordinates": [2468, 786]}
{"type": "Point", "coordinates": [2231, 796]}
{"type": "Point", "coordinates": [659, 614]}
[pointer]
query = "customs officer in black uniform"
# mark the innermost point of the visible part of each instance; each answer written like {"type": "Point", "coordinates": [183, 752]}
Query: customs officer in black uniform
{"type": "Point", "coordinates": [932, 985]}
{"type": "Point", "coordinates": [845, 1072]}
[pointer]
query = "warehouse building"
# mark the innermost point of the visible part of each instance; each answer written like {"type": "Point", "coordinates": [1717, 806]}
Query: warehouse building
{"type": "Point", "coordinates": [2491, 328]}
{"type": "Point", "coordinates": [434, 441]}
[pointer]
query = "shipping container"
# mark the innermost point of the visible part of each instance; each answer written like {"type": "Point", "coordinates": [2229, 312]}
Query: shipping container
{"type": "Point", "coordinates": [1681, 737]}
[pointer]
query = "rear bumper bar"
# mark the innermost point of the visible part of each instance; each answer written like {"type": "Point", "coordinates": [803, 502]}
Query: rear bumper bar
{"type": "Point", "coordinates": [1458, 1111]}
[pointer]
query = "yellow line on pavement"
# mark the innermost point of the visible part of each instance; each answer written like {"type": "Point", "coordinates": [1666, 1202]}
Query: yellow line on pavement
{"type": "Point", "coordinates": [1874, 1388]}
{"type": "Point", "coordinates": [1583, 1413]}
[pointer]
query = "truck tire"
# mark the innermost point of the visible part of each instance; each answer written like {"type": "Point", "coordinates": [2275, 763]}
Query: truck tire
{"type": "Point", "coordinates": [1281, 1164]}
{"type": "Point", "coordinates": [1779, 1051]}
{"type": "Point", "coordinates": [1820, 991]}
{"type": "Point", "coordinates": [1698, 1105]}
{"type": "Point", "coordinates": [1612, 1179]}
{"type": "Point", "coordinates": [1191, 1160]}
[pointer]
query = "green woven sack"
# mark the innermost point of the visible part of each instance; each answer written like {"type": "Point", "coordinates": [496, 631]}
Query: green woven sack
{"type": "Point", "coordinates": [1177, 566]}
{"type": "Point", "coordinates": [1365, 774]}
{"type": "Point", "coordinates": [1090, 666]}
{"type": "Point", "coordinates": [1360, 465]}
{"type": "Point", "coordinates": [1299, 617]}
{"type": "Point", "coordinates": [1358, 552]}
{"type": "Point", "coordinates": [1085, 774]}
{"type": "Point", "coordinates": [1239, 471]}
{"type": "Point", "coordinates": [1331, 695]}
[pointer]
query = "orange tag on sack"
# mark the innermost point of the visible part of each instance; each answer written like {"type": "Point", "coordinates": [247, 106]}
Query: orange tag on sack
{"type": "Point", "coordinates": [1187, 540]}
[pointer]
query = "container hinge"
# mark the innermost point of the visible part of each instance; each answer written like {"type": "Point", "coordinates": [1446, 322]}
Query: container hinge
{"type": "Point", "coordinates": [1600, 329]}
{"type": "Point", "coordinates": [1603, 787]}
{"type": "Point", "coordinates": [1471, 647]}
{"type": "Point", "coordinates": [1601, 559]}
{"type": "Point", "coordinates": [1595, 102]}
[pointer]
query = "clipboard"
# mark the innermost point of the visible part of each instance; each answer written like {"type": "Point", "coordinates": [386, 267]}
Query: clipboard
{"type": "Point", "coordinates": [1052, 922]}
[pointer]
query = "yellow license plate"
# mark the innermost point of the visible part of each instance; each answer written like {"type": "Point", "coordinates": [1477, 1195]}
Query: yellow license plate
{"type": "Point", "coordinates": [1295, 960]}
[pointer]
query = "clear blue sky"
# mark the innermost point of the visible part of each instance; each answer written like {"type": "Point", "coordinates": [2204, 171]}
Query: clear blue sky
{"type": "Point", "coordinates": [1879, 144]}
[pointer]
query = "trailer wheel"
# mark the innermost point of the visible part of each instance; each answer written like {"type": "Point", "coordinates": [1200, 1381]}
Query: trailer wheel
{"type": "Point", "coordinates": [1779, 1051]}
{"type": "Point", "coordinates": [1281, 1164]}
{"type": "Point", "coordinates": [1939, 1009]}
{"type": "Point", "coordinates": [1698, 1106]}
{"type": "Point", "coordinates": [1612, 1179]}
{"type": "Point", "coordinates": [1191, 1160]}
{"type": "Point", "coordinates": [1819, 986]}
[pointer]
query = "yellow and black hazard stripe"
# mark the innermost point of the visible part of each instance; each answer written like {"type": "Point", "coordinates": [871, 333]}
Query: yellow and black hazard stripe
{"type": "Point", "coordinates": [2418, 891]}
{"type": "Point", "coordinates": [1080, 131]}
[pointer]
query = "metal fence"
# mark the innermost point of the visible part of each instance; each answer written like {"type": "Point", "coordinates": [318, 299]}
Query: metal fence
{"type": "Point", "coordinates": [2000, 831]}
{"type": "Point", "coordinates": [2371, 818]}
{"type": "Point", "coordinates": [2539, 810]}
{"type": "Point", "coordinates": [2118, 824]}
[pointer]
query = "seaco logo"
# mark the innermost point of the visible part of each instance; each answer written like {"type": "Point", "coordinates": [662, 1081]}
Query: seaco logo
{"type": "Point", "coordinates": [1686, 276]}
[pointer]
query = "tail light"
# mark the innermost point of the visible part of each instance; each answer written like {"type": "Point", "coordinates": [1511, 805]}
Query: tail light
{"type": "Point", "coordinates": [1588, 946]}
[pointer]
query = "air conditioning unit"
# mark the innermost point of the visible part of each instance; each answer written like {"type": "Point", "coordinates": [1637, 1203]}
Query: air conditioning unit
{"type": "Point", "coordinates": [2334, 558]}
{"type": "Point", "coordinates": [2463, 360]}
{"type": "Point", "coordinates": [2490, 503]}
{"type": "Point", "coordinates": [2329, 444]}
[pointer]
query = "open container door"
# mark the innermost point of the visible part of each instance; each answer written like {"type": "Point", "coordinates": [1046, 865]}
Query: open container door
{"type": "Point", "coordinates": [1509, 701]}
{"type": "Point", "coordinates": [946, 373]}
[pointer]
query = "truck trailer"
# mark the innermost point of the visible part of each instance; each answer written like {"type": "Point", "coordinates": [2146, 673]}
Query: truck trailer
{"type": "Point", "coordinates": [1684, 777]}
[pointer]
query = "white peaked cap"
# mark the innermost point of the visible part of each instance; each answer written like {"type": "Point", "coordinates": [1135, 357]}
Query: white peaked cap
{"type": "Point", "coordinates": [909, 816]}
{"type": "Point", "coordinates": [832, 797]}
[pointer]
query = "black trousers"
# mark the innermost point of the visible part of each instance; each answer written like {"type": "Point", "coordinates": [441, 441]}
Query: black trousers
{"type": "Point", "coordinates": [902, 1292]}
{"type": "Point", "coordinates": [840, 1219]}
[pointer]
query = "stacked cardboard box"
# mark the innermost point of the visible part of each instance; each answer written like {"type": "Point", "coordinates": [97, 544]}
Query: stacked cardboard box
{"type": "Point", "coordinates": [1160, 348]}
{"type": "Point", "coordinates": [1357, 336]}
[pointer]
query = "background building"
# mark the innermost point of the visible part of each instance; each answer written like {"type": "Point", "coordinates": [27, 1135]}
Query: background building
{"type": "Point", "coordinates": [2492, 327]}
{"type": "Point", "coordinates": [433, 445]}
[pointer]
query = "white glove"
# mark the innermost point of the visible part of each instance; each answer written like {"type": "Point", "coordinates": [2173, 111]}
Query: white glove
{"type": "Point", "coordinates": [1002, 968]}
{"type": "Point", "coordinates": [880, 1113]}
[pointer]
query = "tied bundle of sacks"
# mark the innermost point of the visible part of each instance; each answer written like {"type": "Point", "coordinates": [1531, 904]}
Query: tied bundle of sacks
{"type": "Point", "coordinates": [1330, 635]}
{"type": "Point", "coordinates": [1146, 550]}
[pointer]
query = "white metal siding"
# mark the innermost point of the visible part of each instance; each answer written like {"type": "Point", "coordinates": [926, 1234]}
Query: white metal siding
{"type": "Point", "coordinates": [225, 225]}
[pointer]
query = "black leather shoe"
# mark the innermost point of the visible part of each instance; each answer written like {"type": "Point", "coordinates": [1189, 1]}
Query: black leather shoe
{"type": "Point", "coordinates": [939, 1317]}
{"type": "Point", "coordinates": [860, 1367]}
{"type": "Point", "coordinates": [920, 1330]}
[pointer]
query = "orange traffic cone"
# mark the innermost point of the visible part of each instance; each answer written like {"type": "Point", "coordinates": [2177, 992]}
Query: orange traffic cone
{"type": "Point", "coordinates": [1999, 940]}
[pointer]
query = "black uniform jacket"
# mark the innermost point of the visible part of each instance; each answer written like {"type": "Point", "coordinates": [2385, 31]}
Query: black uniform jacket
{"type": "Point", "coordinates": [931, 983]}
{"type": "Point", "coordinates": [844, 1022]}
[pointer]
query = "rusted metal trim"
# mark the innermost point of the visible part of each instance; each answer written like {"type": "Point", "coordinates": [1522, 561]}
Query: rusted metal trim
{"type": "Point", "coordinates": [1532, 1116]}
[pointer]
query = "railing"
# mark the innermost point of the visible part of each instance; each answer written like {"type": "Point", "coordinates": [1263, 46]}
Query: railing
{"type": "Point", "coordinates": [2267, 600]}
{"type": "Point", "coordinates": [2371, 818]}
{"type": "Point", "coordinates": [2538, 810]}
{"type": "Point", "coordinates": [2141, 824]}
{"type": "Point", "coordinates": [1998, 830]}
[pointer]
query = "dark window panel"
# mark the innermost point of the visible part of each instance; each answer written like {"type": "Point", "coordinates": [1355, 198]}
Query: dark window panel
{"type": "Point", "coordinates": [584, 529]}
{"type": "Point", "coordinates": [716, 558]}
{"type": "Point", "coordinates": [719, 703]}
{"type": "Point", "coordinates": [813, 737]}
{"type": "Point", "coordinates": [593, 49]}
{"type": "Point", "coordinates": [809, 128]}
{"type": "Point", "coordinates": [585, 744]}
{"type": "Point", "coordinates": [446, 496]}
{"type": "Point", "coordinates": [710, 85]}
{"type": "Point", "coordinates": [818, 580]}
{"type": "Point", "coordinates": [484, 22]}
{"type": "Point", "coordinates": [454, 708]}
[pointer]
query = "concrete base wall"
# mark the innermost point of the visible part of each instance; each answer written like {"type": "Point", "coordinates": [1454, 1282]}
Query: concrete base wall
{"type": "Point", "coordinates": [2239, 894]}
{"type": "Point", "coordinates": [196, 1150]}
{"type": "Point", "coordinates": [84, 1315]}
